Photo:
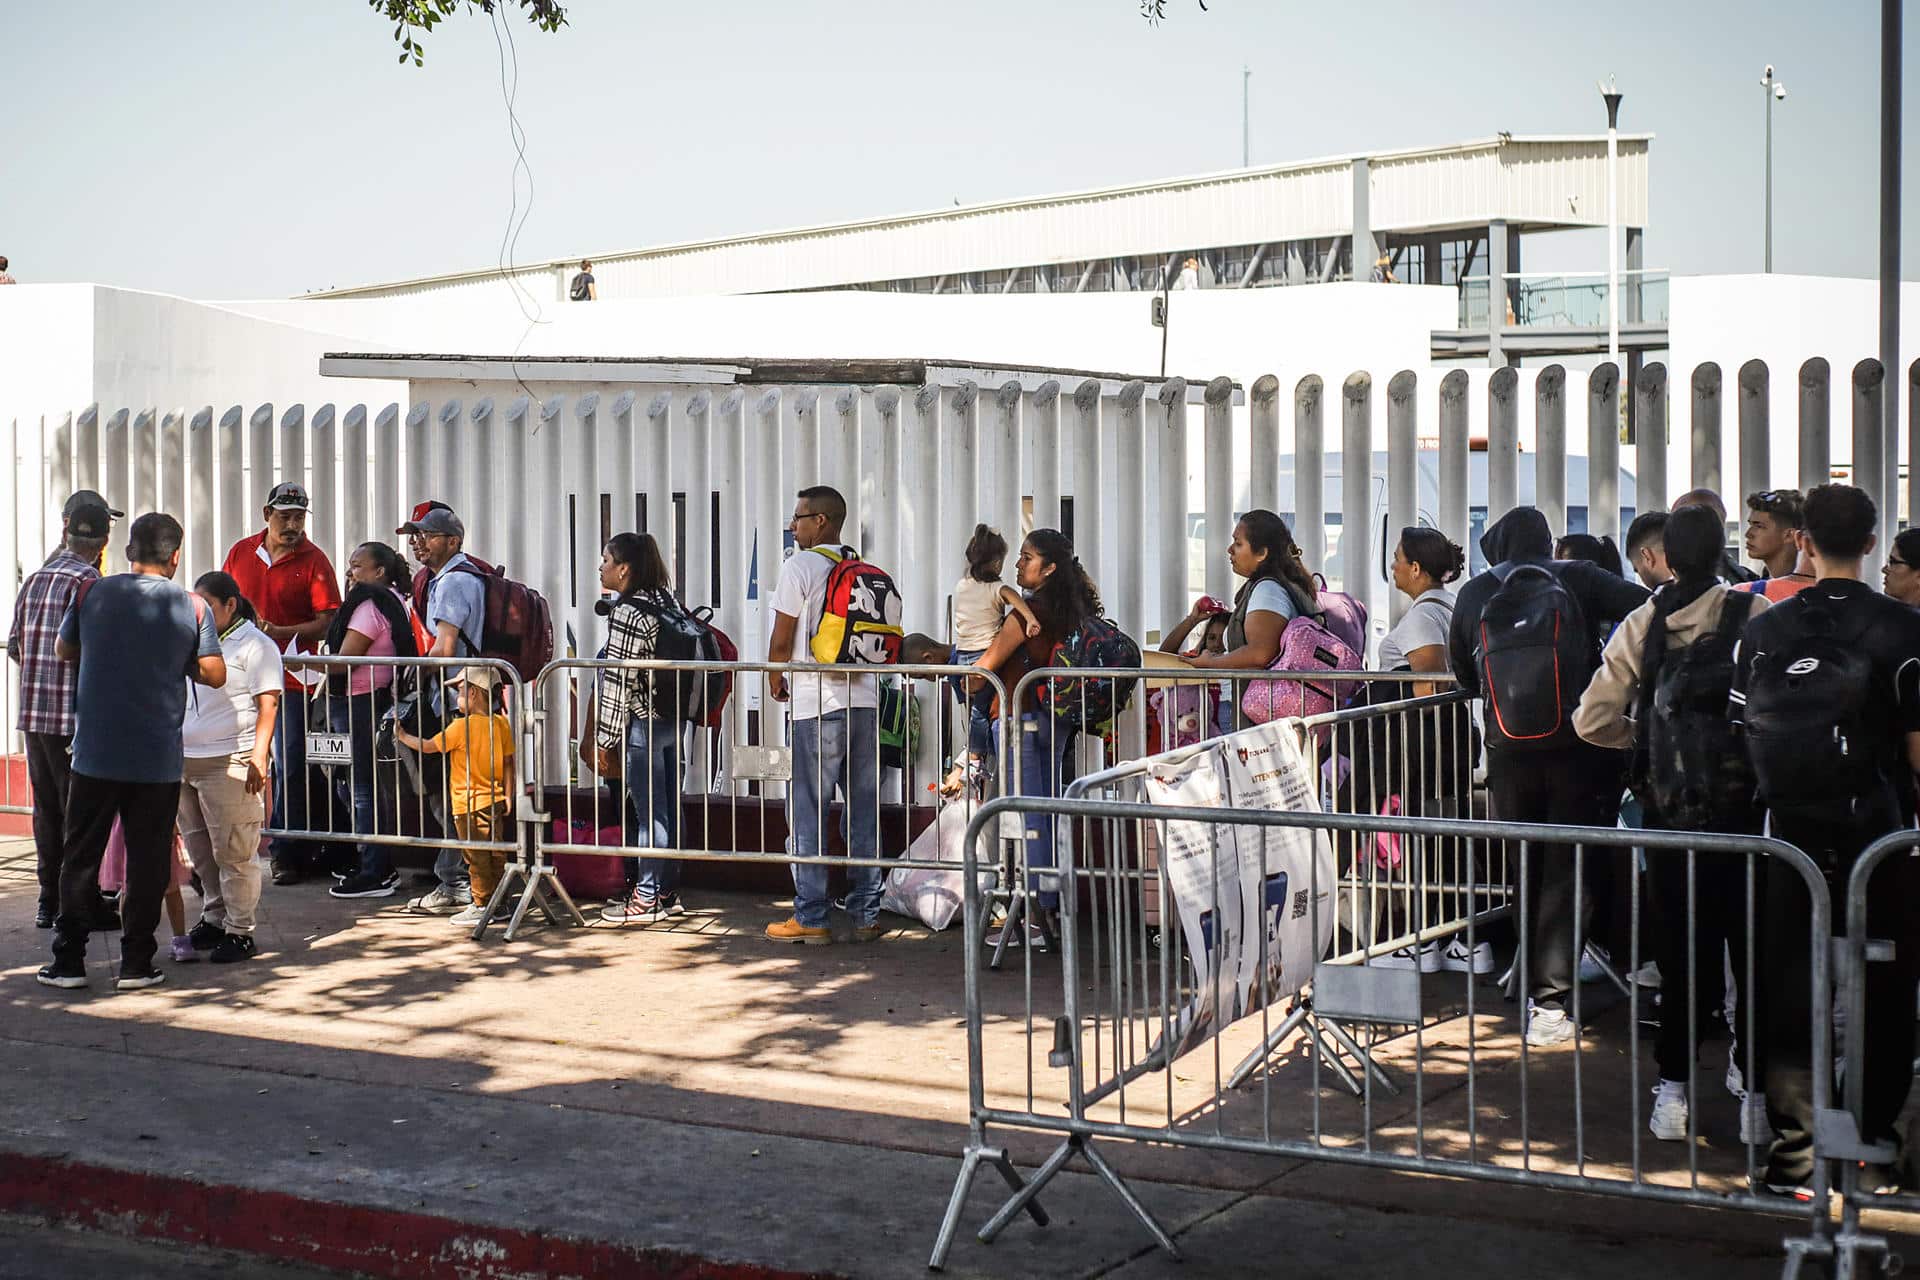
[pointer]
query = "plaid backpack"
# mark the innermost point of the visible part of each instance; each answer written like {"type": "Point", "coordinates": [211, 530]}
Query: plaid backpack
{"type": "Point", "coordinates": [1090, 702]}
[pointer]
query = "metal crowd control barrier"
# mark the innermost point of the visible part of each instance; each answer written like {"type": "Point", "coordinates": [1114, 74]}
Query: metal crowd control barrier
{"type": "Point", "coordinates": [1166, 699]}
{"type": "Point", "coordinates": [1877, 992]}
{"type": "Point", "coordinates": [1485, 1102]}
{"type": "Point", "coordinates": [733, 786]}
{"type": "Point", "coordinates": [344, 776]}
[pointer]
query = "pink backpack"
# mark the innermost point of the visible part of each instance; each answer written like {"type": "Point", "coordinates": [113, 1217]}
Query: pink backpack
{"type": "Point", "coordinates": [1305, 646]}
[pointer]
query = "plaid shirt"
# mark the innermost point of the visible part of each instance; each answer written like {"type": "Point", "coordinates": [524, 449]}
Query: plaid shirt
{"type": "Point", "coordinates": [633, 633]}
{"type": "Point", "coordinates": [46, 682]}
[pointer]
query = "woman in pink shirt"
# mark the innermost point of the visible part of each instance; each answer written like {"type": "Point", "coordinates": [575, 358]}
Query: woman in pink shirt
{"type": "Point", "coordinates": [373, 621]}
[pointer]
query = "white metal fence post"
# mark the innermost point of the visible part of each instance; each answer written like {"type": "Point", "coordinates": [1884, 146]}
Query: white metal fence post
{"type": "Point", "coordinates": [1550, 447]}
{"type": "Point", "coordinates": [1218, 478]}
{"type": "Point", "coordinates": [1310, 470]}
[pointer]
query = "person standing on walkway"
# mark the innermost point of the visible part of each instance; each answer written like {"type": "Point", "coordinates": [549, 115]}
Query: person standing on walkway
{"type": "Point", "coordinates": [228, 742]}
{"type": "Point", "coordinates": [1690, 774]}
{"type": "Point", "coordinates": [1538, 769]}
{"type": "Point", "coordinates": [133, 635]}
{"type": "Point", "coordinates": [455, 615]}
{"type": "Point", "coordinates": [1900, 576]}
{"type": "Point", "coordinates": [47, 682]}
{"type": "Point", "coordinates": [4, 277]}
{"type": "Point", "coordinates": [295, 591]}
{"type": "Point", "coordinates": [416, 543]}
{"type": "Point", "coordinates": [479, 750]}
{"type": "Point", "coordinates": [1827, 690]}
{"type": "Point", "coordinates": [374, 622]}
{"type": "Point", "coordinates": [637, 722]}
{"type": "Point", "coordinates": [835, 735]}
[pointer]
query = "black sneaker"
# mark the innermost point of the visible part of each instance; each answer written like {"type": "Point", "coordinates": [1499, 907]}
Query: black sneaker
{"type": "Point", "coordinates": [138, 978]}
{"type": "Point", "coordinates": [206, 935]}
{"type": "Point", "coordinates": [286, 873]}
{"type": "Point", "coordinates": [367, 886]}
{"type": "Point", "coordinates": [43, 917]}
{"type": "Point", "coordinates": [234, 948]}
{"type": "Point", "coordinates": [1769, 1183]}
{"type": "Point", "coordinates": [68, 975]}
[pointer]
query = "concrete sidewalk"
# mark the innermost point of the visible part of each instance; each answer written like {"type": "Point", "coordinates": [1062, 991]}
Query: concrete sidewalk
{"type": "Point", "coordinates": [379, 1094]}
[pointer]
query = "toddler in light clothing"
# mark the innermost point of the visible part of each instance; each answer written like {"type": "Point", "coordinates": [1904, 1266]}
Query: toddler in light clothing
{"type": "Point", "coordinates": [981, 602]}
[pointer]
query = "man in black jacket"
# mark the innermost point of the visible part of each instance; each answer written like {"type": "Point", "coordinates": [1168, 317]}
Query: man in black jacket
{"type": "Point", "coordinates": [1563, 781]}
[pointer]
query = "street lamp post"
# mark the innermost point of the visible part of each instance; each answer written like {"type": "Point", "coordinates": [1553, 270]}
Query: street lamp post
{"type": "Point", "coordinates": [1774, 92]}
{"type": "Point", "coordinates": [1612, 95]}
{"type": "Point", "coordinates": [1246, 147]}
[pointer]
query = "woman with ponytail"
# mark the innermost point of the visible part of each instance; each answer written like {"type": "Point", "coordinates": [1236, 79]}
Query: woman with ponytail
{"type": "Point", "coordinates": [374, 621]}
{"type": "Point", "coordinates": [1278, 589]}
{"type": "Point", "coordinates": [1617, 712]}
{"type": "Point", "coordinates": [1061, 596]}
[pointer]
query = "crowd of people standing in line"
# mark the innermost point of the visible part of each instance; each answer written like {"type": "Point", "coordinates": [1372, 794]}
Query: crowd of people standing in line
{"type": "Point", "coordinates": [166, 711]}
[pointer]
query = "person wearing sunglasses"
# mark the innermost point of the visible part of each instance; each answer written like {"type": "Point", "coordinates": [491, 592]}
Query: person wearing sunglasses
{"type": "Point", "coordinates": [1900, 576]}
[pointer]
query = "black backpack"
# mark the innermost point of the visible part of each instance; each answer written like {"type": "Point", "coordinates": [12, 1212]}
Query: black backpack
{"type": "Point", "coordinates": [1534, 655]}
{"type": "Point", "coordinates": [1689, 767]}
{"type": "Point", "coordinates": [1807, 708]}
{"type": "Point", "coordinates": [682, 637]}
{"type": "Point", "coordinates": [581, 283]}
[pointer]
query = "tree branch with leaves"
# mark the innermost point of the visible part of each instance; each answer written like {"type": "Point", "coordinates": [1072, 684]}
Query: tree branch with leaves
{"type": "Point", "coordinates": [413, 19]}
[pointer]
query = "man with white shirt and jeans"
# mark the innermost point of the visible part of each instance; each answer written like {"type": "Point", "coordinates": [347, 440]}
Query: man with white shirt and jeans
{"type": "Point", "coordinates": [455, 616]}
{"type": "Point", "coordinates": [835, 735]}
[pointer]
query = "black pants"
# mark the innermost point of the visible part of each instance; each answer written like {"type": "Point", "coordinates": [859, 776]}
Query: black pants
{"type": "Point", "coordinates": [146, 811]}
{"type": "Point", "coordinates": [49, 766]}
{"type": "Point", "coordinates": [1786, 993]}
{"type": "Point", "coordinates": [1578, 786]}
{"type": "Point", "coordinates": [1718, 908]}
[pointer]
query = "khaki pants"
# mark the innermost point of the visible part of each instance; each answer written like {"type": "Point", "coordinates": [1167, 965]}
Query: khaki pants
{"type": "Point", "coordinates": [484, 866]}
{"type": "Point", "coordinates": [220, 826]}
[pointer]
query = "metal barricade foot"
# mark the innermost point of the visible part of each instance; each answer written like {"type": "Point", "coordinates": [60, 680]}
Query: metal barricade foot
{"type": "Point", "coordinates": [1025, 1195]}
{"type": "Point", "coordinates": [1133, 1203]}
{"type": "Point", "coordinates": [963, 1187]}
{"type": "Point", "coordinates": [500, 892]}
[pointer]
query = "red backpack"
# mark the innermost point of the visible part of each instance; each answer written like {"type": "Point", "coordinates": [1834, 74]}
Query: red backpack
{"type": "Point", "coordinates": [518, 625]}
{"type": "Point", "coordinates": [860, 618]}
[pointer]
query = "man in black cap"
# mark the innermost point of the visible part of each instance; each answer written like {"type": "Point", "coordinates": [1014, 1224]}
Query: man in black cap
{"type": "Point", "coordinates": [293, 587]}
{"type": "Point", "coordinates": [47, 682]}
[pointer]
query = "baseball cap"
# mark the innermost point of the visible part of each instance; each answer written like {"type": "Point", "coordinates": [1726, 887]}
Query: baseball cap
{"type": "Point", "coordinates": [420, 509]}
{"type": "Point", "coordinates": [89, 520]}
{"type": "Point", "coordinates": [480, 677]}
{"type": "Point", "coordinates": [437, 520]}
{"type": "Point", "coordinates": [87, 497]}
{"type": "Point", "coordinates": [288, 496]}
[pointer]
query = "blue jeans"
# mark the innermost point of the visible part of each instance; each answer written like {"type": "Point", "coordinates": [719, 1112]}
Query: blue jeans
{"type": "Point", "coordinates": [653, 803]}
{"type": "Point", "coordinates": [294, 791]}
{"type": "Point", "coordinates": [1044, 743]}
{"type": "Point", "coordinates": [840, 751]}
{"type": "Point", "coordinates": [358, 716]}
{"type": "Point", "coordinates": [979, 705]}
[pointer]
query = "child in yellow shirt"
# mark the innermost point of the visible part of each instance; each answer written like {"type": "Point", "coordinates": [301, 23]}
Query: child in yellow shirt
{"type": "Point", "coordinates": [479, 750]}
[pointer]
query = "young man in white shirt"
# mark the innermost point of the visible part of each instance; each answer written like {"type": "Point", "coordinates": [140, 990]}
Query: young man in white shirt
{"type": "Point", "coordinates": [835, 735]}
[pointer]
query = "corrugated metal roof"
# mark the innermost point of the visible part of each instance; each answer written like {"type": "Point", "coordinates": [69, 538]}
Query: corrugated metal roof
{"type": "Point", "coordinates": [1536, 182]}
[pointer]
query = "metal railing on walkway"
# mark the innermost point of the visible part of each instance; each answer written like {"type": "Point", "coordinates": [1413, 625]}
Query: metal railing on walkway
{"type": "Point", "coordinates": [1504, 1107]}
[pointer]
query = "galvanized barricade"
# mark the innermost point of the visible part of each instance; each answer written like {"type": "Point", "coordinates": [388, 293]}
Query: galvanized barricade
{"type": "Point", "coordinates": [1400, 739]}
{"type": "Point", "coordinates": [1876, 963]}
{"type": "Point", "coordinates": [372, 767]}
{"type": "Point", "coordinates": [725, 793]}
{"type": "Point", "coordinates": [1146, 1035]}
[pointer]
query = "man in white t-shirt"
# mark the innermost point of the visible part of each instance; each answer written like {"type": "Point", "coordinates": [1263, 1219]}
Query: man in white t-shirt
{"type": "Point", "coordinates": [835, 734]}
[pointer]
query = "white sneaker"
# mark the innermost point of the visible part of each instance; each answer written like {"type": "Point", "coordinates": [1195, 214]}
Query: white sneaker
{"type": "Point", "coordinates": [1668, 1121]}
{"type": "Point", "coordinates": [636, 910]}
{"type": "Point", "coordinates": [1755, 1129]}
{"type": "Point", "coordinates": [1426, 959]}
{"type": "Point", "coordinates": [1547, 1027]}
{"type": "Point", "coordinates": [1647, 976]}
{"type": "Point", "coordinates": [1457, 957]}
{"type": "Point", "coordinates": [1593, 963]}
{"type": "Point", "coordinates": [468, 916]}
{"type": "Point", "coordinates": [437, 903]}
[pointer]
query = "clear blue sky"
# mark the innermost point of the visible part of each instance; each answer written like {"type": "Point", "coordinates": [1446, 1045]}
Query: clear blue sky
{"type": "Point", "coordinates": [229, 148]}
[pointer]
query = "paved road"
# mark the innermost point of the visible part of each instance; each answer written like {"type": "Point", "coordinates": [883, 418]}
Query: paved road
{"type": "Point", "coordinates": [35, 1251]}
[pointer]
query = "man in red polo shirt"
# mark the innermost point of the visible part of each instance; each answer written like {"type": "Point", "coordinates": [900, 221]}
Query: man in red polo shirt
{"type": "Point", "coordinates": [296, 592]}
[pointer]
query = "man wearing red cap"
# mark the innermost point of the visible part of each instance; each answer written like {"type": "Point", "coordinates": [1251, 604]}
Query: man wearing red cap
{"type": "Point", "coordinates": [292, 585]}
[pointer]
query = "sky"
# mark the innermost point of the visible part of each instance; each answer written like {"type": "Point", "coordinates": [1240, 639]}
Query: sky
{"type": "Point", "coordinates": [233, 149]}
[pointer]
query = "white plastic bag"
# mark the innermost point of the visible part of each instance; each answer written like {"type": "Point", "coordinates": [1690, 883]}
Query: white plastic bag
{"type": "Point", "coordinates": [934, 897]}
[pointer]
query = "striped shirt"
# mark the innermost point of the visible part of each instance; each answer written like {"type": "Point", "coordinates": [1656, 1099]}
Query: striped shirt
{"type": "Point", "coordinates": [46, 682]}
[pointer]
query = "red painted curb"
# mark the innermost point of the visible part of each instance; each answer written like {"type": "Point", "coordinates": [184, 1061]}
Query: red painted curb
{"type": "Point", "coordinates": [378, 1242]}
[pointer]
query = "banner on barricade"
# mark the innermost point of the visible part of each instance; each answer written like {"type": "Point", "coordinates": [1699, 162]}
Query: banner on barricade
{"type": "Point", "coordinates": [1245, 895]}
